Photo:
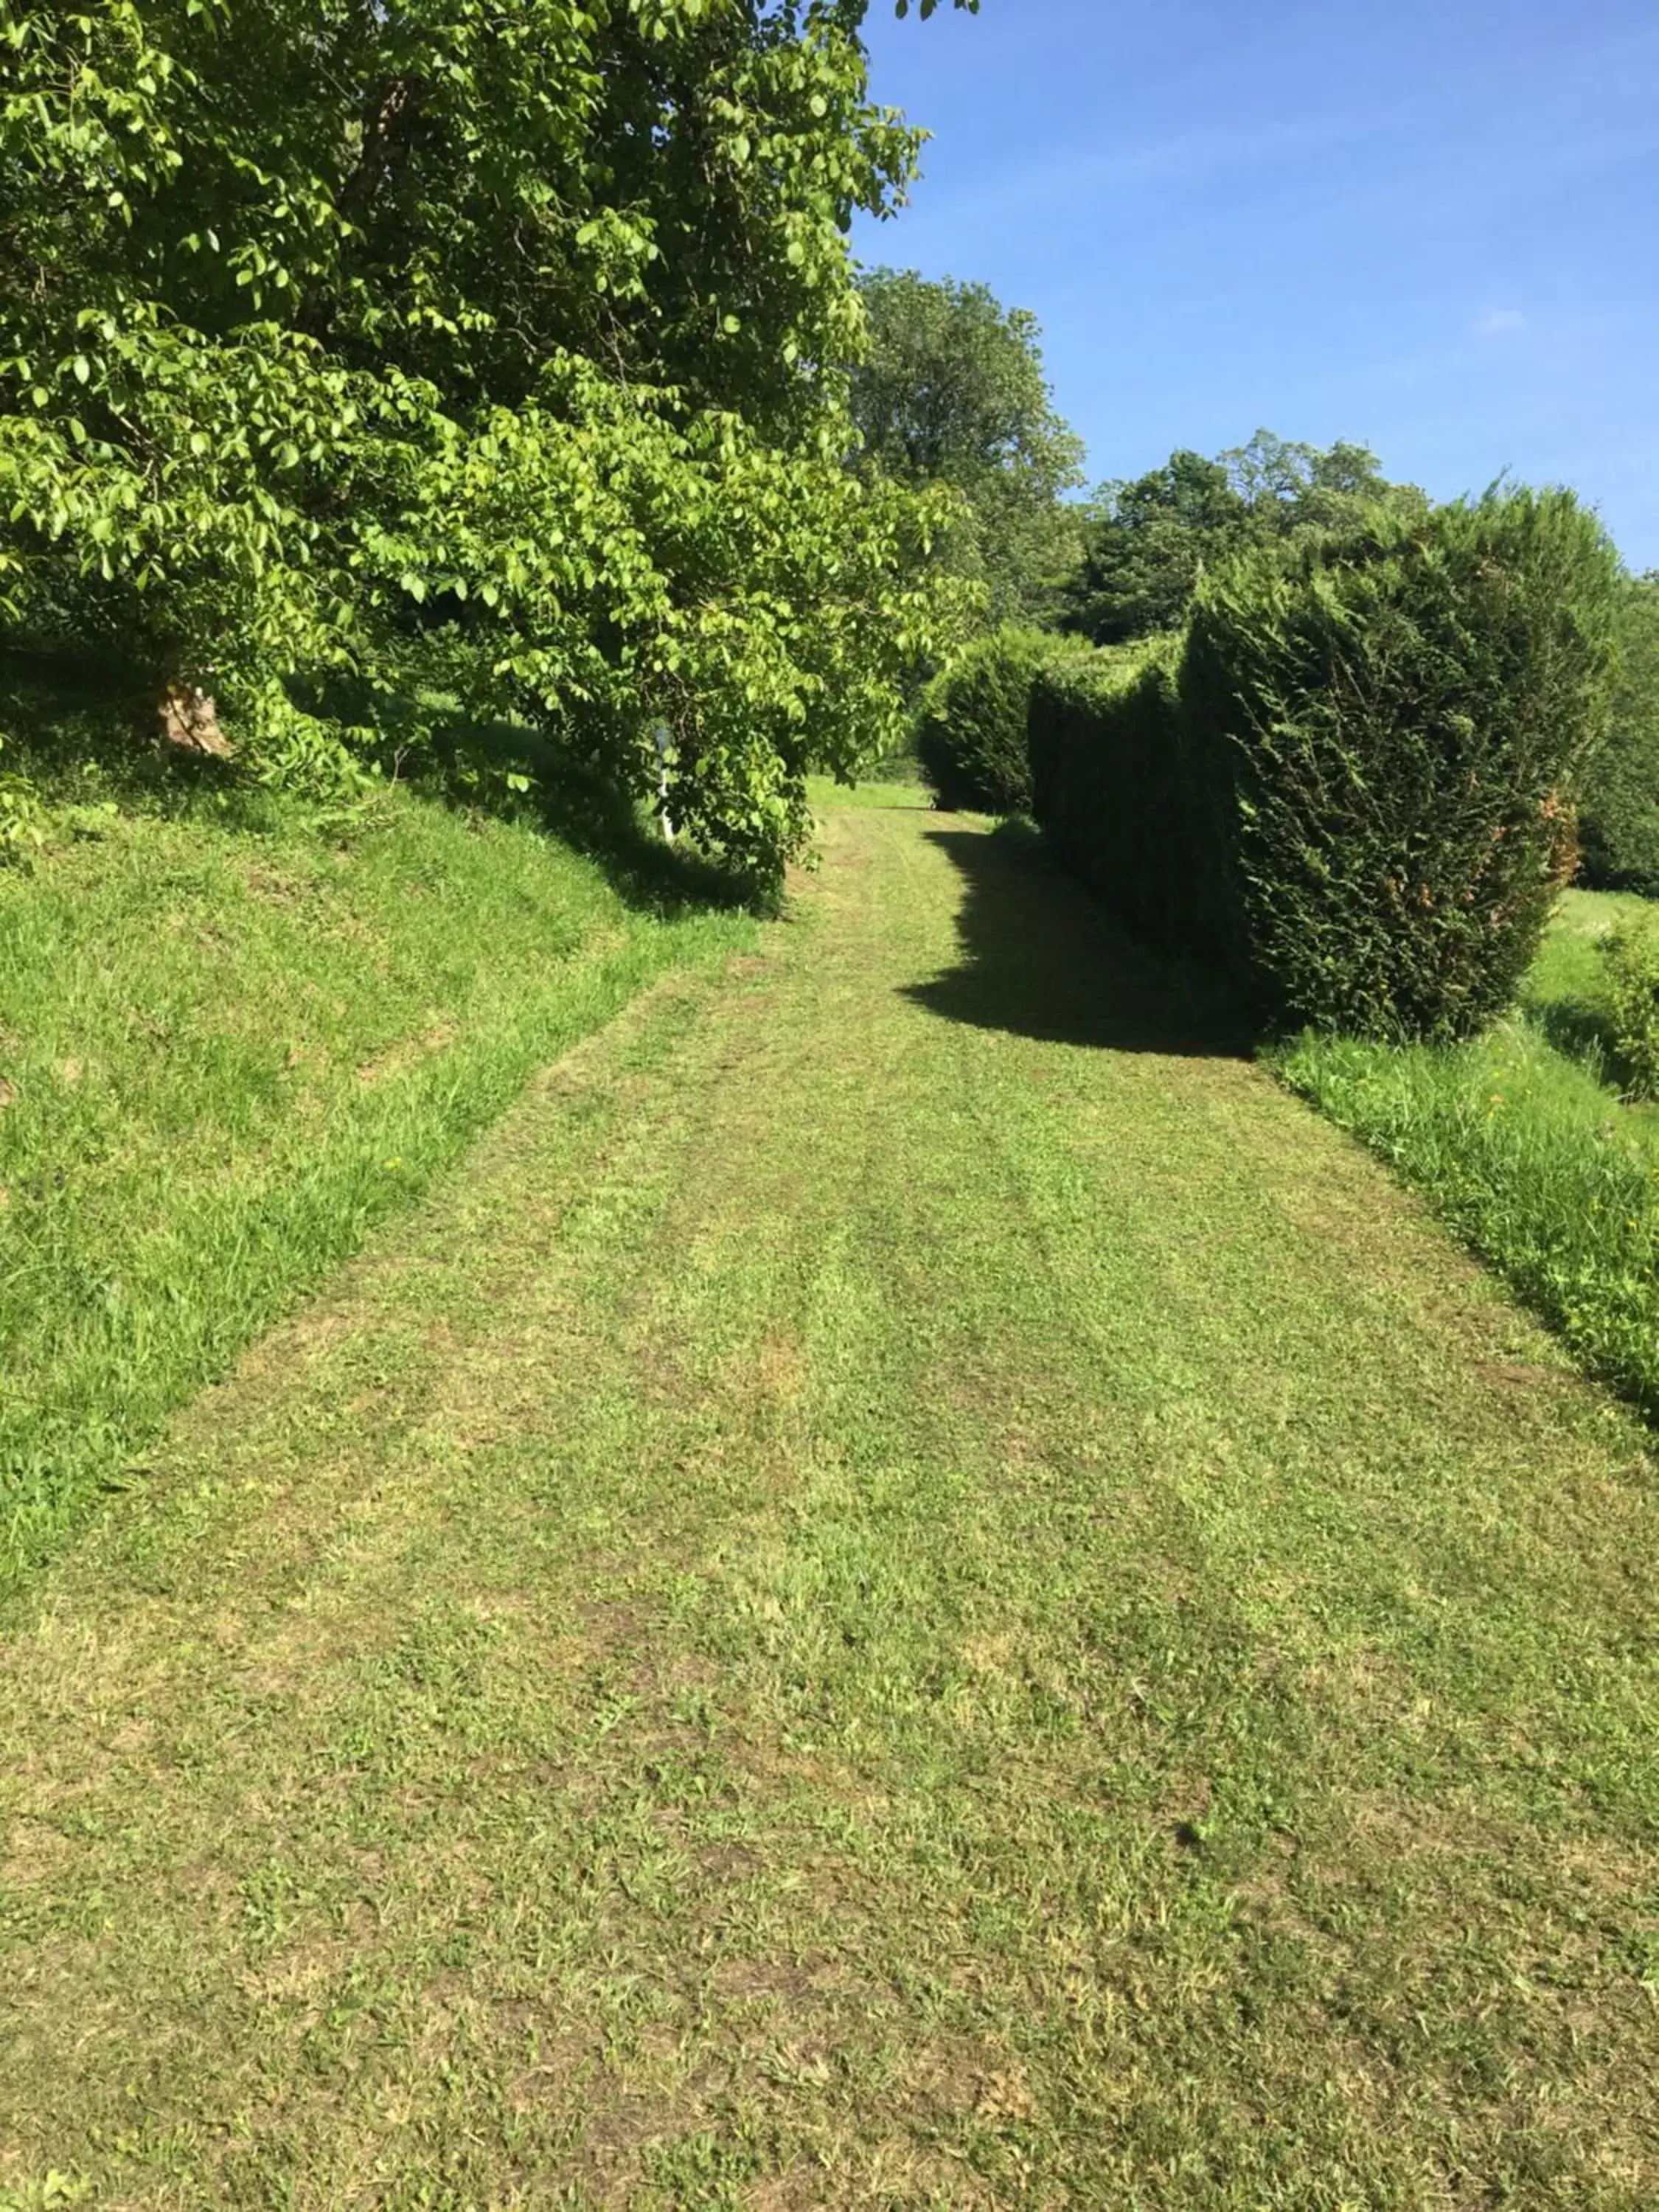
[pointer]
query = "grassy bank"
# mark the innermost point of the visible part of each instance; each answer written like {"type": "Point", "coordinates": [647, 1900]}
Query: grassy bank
{"type": "Point", "coordinates": [1522, 1142]}
{"type": "Point", "coordinates": [229, 1042]}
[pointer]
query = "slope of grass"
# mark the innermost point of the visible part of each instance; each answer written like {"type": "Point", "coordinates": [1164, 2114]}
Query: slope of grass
{"type": "Point", "coordinates": [230, 1042]}
{"type": "Point", "coordinates": [1521, 1142]}
{"type": "Point", "coordinates": [913, 1587]}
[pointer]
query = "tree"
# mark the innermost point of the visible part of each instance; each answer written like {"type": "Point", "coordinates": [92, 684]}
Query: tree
{"type": "Point", "coordinates": [1149, 542]}
{"type": "Point", "coordinates": [525, 322]}
{"type": "Point", "coordinates": [952, 392]}
{"type": "Point", "coordinates": [1289, 486]}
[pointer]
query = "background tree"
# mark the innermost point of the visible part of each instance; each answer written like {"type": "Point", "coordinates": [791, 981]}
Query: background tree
{"type": "Point", "coordinates": [1148, 542]}
{"type": "Point", "coordinates": [952, 392]}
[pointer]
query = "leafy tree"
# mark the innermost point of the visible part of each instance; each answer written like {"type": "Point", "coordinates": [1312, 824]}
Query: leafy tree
{"type": "Point", "coordinates": [321, 321]}
{"type": "Point", "coordinates": [952, 392]}
{"type": "Point", "coordinates": [1288, 486]}
{"type": "Point", "coordinates": [1149, 542]}
{"type": "Point", "coordinates": [1619, 790]}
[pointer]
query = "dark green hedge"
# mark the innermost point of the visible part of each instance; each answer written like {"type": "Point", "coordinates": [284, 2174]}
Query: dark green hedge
{"type": "Point", "coordinates": [1121, 794]}
{"type": "Point", "coordinates": [970, 733]}
{"type": "Point", "coordinates": [1345, 779]}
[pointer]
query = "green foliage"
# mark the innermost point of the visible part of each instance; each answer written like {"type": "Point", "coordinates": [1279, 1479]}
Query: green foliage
{"type": "Point", "coordinates": [320, 327]}
{"type": "Point", "coordinates": [952, 392]}
{"type": "Point", "coordinates": [970, 732]}
{"type": "Point", "coordinates": [1632, 962]}
{"type": "Point", "coordinates": [1565, 996]}
{"type": "Point", "coordinates": [1395, 716]}
{"type": "Point", "coordinates": [23, 819]}
{"type": "Point", "coordinates": [1150, 541]}
{"type": "Point", "coordinates": [1619, 790]}
{"type": "Point", "coordinates": [1148, 546]}
{"type": "Point", "coordinates": [1120, 793]}
{"type": "Point", "coordinates": [1344, 780]}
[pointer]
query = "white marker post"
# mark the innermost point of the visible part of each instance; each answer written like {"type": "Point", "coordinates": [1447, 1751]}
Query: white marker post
{"type": "Point", "coordinates": [663, 742]}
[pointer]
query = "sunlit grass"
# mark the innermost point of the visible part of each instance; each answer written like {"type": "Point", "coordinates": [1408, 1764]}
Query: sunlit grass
{"type": "Point", "coordinates": [1522, 1142]}
{"type": "Point", "coordinates": [229, 1043]}
{"type": "Point", "coordinates": [911, 1587]}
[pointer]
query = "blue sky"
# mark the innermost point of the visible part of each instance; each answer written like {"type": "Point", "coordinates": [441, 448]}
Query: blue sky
{"type": "Point", "coordinates": [1429, 225]}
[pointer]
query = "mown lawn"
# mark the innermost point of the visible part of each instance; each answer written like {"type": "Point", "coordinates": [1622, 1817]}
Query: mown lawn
{"type": "Point", "coordinates": [915, 1587]}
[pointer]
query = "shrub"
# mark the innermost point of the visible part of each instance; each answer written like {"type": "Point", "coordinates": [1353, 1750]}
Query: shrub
{"type": "Point", "coordinates": [1632, 972]}
{"type": "Point", "coordinates": [23, 819]}
{"type": "Point", "coordinates": [970, 733]}
{"type": "Point", "coordinates": [1120, 794]}
{"type": "Point", "coordinates": [1346, 780]}
{"type": "Point", "coordinates": [1395, 716]}
{"type": "Point", "coordinates": [1619, 791]}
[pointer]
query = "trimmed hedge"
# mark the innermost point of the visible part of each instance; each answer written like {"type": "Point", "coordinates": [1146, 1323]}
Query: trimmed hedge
{"type": "Point", "coordinates": [1343, 779]}
{"type": "Point", "coordinates": [1120, 791]}
{"type": "Point", "coordinates": [971, 735]}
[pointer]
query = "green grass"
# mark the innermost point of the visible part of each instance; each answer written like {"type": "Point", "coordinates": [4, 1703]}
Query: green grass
{"type": "Point", "coordinates": [1522, 1142]}
{"type": "Point", "coordinates": [912, 1587]}
{"type": "Point", "coordinates": [904, 793]}
{"type": "Point", "coordinates": [229, 1043]}
{"type": "Point", "coordinates": [1566, 994]}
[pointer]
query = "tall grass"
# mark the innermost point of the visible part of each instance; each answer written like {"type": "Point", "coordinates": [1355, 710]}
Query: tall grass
{"type": "Point", "coordinates": [228, 1045]}
{"type": "Point", "coordinates": [1521, 1142]}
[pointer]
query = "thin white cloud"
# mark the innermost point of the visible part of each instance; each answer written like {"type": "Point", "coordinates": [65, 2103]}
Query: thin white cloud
{"type": "Point", "coordinates": [1498, 323]}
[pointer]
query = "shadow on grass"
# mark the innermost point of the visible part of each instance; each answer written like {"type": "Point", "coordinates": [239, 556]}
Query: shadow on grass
{"type": "Point", "coordinates": [568, 799]}
{"type": "Point", "coordinates": [78, 724]}
{"type": "Point", "coordinates": [1582, 1033]}
{"type": "Point", "coordinates": [1041, 958]}
{"type": "Point", "coordinates": [75, 720]}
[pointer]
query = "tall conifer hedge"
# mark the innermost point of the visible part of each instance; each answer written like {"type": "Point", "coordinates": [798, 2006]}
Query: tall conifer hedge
{"type": "Point", "coordinates": [1347, 778]}
{"type": "Point", "coordinates": [970, 732]}
{"type": "Point", "coordinates": [1119, 791]}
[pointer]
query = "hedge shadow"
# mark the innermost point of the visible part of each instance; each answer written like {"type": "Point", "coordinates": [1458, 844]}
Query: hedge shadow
{"type": "Point", "coordinates": [1041, 958]}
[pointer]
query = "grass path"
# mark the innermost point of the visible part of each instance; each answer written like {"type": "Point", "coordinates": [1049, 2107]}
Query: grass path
{"type": "Point", "coordinates": [916, 1589]}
